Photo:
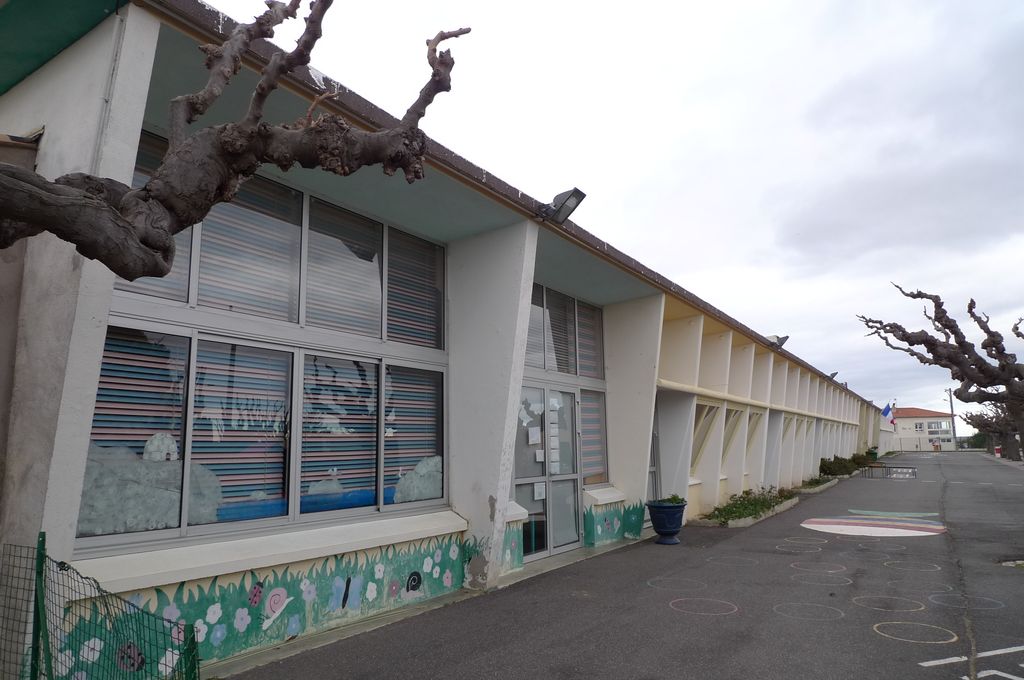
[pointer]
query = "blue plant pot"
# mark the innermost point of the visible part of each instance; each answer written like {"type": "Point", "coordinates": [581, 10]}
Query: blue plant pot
{"type": "Point", "coordinates": [667, 520]}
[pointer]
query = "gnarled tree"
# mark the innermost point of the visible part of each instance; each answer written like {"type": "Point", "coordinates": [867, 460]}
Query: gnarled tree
{"type": "Point", "coordinates": [132, 231]}
{"type": "Point", "coordinates": [990, 376]}
{"type": "Point", "coordinates": [996, 424]}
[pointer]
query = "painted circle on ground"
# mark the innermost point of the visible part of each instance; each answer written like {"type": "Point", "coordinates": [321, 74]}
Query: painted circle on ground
{"type": "Point", "coordinates": [908, 565]}
{"type": "Point", "coordinates": [808, 611]}
{"type": "Point", "coordinates": [874, 525]}
{"type": "Point", "coordinates": [703, 605]}
{"type": "Point", "coordinates": [921, 633]}
{"type": "Point", "coordinates": [733, 561]}
{"type": "Point", "coordinates": [794, 548]}
{"type": "Point", "coordinates": [959, 601]}
{"type": "Point", "coordinates": [807, 539]}
{"type": "Point", "coordinates": [816, 578]}
{"type": "Point", "coordinates": [886, 603]}
{"type": "Point", "coordinates": [869, 555]}
{"type": "Point", "coordinates": [885, 547]}
{"type": "Point", "coordinates": [924, 587]}
{"type": "Point", "coordinates": [677, 583]}
{"type": "Point", "coordinates": [819, 567]}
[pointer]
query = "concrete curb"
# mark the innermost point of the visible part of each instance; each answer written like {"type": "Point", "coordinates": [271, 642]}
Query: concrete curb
{"type": "Point", "coordinates": [745, 521]}
{"type": "Point", "coordinates": [852, 474]}
{"type": "Point", "coordinates": [817, 489]}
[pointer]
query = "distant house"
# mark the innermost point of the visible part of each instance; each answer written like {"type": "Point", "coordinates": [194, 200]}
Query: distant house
{"type": "Point", "coordinates": [918, 429]}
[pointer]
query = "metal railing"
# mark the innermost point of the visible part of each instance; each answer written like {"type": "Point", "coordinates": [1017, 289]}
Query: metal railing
{"type": "Point", "coordinates": [57, 623]}
{"type": "Point", "coordinates": [885, 471]}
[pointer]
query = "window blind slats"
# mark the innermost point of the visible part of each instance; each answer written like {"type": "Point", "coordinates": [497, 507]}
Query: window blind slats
{"type": "Point", "coordinates": [249, 256]}
{"type": "Point", "coordinates": [591, 341]}
{"type": "Point", "coordinates": [560, 343]}
{"type": "Point", "coordinates": [593, 446]}
{"type": "Point", "coordinates": [339, 434]}
{"type": "Point", "coordinates": [412, 435]}
{"type": "Point", "coordinates": [240, 427]}
{"type": "Point", "coordinates": [344, 272]}
{"type": "Point", "coordinates": [535, 336]}
{"type": "Point", "coordinates": [415, 290]}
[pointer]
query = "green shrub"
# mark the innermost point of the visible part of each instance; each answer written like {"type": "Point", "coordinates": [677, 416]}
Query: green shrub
{"type": "Point", "coordinates": [836, 467]}
{"type": "Point", "coordinates": [860, 459]}
{"type": "Point", "coordinates": [750, 503]}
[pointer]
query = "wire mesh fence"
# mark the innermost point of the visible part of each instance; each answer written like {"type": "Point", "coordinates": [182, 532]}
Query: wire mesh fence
{"type": "Point", "coordinates": [57, 623]}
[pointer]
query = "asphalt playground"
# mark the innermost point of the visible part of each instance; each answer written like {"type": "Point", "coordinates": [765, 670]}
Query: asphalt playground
{"type": "Point", "coordinates": [775, 600]}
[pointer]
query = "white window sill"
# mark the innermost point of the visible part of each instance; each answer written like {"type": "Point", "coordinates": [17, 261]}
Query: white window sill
{"type": "Point", "coordinates": [137, 571]}
{"type": "Point", "coordinates": [602, 496]}
{"type": "Point", "coordinates": [695, 482]}
{"type": "Point", "coordinates": [516, 513]}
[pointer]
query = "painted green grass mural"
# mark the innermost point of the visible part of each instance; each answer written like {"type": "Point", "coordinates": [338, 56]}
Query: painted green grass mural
{"type": "Point", "coordinates": [249, 610]}
{"type": "Point", "coordinates": [612, 522]}
{"type": "Point", "coordinates": [512, 548]}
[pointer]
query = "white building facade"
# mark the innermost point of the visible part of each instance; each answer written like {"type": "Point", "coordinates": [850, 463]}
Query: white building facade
{"type": "Point", "coordinates": [919, 429]}
{"type": "Point", "coordinates": [352, 394]}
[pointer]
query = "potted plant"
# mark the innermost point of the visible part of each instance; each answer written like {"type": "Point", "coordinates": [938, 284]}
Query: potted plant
{"type": "Point", "coordinates": [667, 518]}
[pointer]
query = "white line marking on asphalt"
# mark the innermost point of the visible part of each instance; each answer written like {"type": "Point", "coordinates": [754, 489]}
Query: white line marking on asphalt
{"type": "Point", "coordinates": [932, 481]}
{"type": "Point", "coordinates": [955, 659]}
{"type": "Point", "coordinates": [989, 674]}
{"type": "Point", "coordinates": [1017, 485]}
{"type": "Point", "coordinates": [956, 482]}
{"type": "Point", "coordinates": [989, 483]}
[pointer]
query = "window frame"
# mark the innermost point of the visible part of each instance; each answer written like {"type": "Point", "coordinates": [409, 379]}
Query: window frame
{"type": "Point", "coordinates": [141, 311]}
{"type": "Point", "coordinates": [553, 379]}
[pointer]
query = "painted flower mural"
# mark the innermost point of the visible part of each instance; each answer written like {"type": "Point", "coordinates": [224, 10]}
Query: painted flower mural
{"type": "Point", "coordinates": [242, 619]}
{"type": "Point", "coordinates": [213, 613]}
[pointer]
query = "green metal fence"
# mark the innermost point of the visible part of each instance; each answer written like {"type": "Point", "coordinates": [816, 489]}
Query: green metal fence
{"type": "Point", "coordinates": [57, 623]}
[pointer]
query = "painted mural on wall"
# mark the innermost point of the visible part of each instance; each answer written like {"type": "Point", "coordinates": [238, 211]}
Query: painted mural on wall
{"type": "Point", "coordinates": [244, 611]}
{"type": "Point", "coordinates": [612, 522]}
{"type": "Point", "coordinates": [512, 547]}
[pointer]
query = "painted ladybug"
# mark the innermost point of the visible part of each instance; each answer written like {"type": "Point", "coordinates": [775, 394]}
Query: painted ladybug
{"type": "Point", "coordinates": [130, 657]}
{"type": "Point", "coordinates": [256, 593]}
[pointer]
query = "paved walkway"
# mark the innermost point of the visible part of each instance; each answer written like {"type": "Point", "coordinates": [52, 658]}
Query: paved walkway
{"type": "Point", "coordinates": [776, 600]}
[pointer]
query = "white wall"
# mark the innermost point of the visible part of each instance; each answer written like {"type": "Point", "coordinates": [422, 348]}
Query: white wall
{"type": "Point", "coordinates": [90, 99]}
{"type": "Point", "coordinates": [490, 280]}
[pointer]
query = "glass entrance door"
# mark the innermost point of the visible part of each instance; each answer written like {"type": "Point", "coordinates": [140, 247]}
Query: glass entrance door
{"type": "Point", "coordinates": [547, 477]}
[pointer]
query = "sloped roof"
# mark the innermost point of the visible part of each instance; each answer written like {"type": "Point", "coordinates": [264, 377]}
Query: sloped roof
{"type": "Point", "coordinates": [913, 412]}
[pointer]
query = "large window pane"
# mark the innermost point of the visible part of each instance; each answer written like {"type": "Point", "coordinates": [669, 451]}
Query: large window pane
{"type": "Point", "coordinates": [560, 345]}
{"type": "Point", "coordinates": [530, 456]}
{"type": "Point", "coordinates": [240, 433]}
{"type": "Point", "coordinates": [339, 434]}
{"type": "Point", "coordinates": [415, 290]}
{"type": "Point", "coordinates": [535, 337]}
{"type": "Point", "coordinates": [133, 471]}
{"type": "Point", "coordinates": [413, 461]}
{"type": "Point", "coordinates": [591, 322]}
{"type": "Point", "coordinates": [249, 256]}
{"type": "Point", "coordinates": [593, 452]}
{"type": "Point", "coordinates": [174, 286]}
{"type": "Point", "coordinates": [565, 513]}
{"type": "Point", "coordinates": [344, 271]}
{"type": "Point", "coordinates": [532, 498]}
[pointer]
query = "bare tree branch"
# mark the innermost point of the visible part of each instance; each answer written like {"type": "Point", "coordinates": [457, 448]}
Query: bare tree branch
{"type": "Point", "coordinates": [132, 231]}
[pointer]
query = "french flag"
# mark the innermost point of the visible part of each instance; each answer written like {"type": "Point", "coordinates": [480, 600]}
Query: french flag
{"type": "Point", "coordinates": [888, 414]}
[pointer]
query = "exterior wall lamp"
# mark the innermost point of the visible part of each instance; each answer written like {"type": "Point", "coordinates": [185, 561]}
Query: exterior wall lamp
{"type": "Point", "coordinates": [561, 206]}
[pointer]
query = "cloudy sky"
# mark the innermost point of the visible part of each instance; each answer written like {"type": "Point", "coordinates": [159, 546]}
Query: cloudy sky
{"type": "Point", "coordinates": [785, 161]}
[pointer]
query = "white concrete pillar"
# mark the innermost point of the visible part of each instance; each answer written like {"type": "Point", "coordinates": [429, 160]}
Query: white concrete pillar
{"type": "Point", "coordinates": [675, 436]}
{"type": "Point", "coordinates": [490, 281]}
{"type": "Point", "coordinates": [773, 449]}
{"type": "Point", "coordinates": [632, 346]}
{"type": "Point", "coordinates": [91, 100]}
{"type": "Point", "coordinates": [715, 353]}
{"type": "Point", "coordinates": [741, 370]}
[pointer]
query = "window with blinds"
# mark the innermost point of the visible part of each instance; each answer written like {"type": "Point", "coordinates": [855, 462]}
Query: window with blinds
{"type": "Point", "coordinates": [240, 433]}
{"type": "Point", "coordinates": [339, 434]}
{"type": "Point", "coordinates": [591, 340]}
{"type": "Point", "coordinates": [413, 464]}
{"type": "Point", "coordinates": [345, 272]}
{"type": "Point", "coordinates": [415, 290]}
{"type": "Point", "coordinates": [560, 324]}
{"type": "Point", "coordinates": [535, 336]}
{"type": "Point", "coordinates": [593, 440]}
{"type": "Point", "coordinates": [133, 470]}
{"type": "Point", "coordinates": [174, 286]}
{"type": "Point", "coordinates": [249, 252]}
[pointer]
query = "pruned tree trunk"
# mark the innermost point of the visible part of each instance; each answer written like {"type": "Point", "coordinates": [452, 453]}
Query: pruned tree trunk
{"type": "Point", "coordinates": [132, 231]}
